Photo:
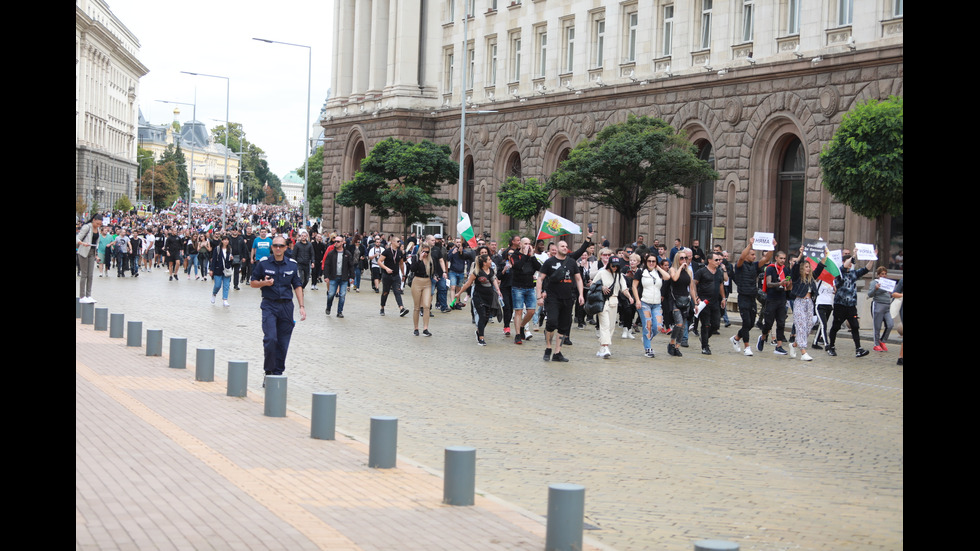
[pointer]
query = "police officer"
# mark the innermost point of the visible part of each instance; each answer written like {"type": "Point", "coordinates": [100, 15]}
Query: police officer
{"type": "Point", "coordinates": [278, 277]}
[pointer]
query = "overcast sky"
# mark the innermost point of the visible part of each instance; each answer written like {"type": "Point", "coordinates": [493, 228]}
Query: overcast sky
{"type": "Point", "coordinates": [268, 81]}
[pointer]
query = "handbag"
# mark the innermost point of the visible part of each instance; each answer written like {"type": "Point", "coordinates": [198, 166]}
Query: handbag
{"type": "Point", "coordinates": [595, 299]}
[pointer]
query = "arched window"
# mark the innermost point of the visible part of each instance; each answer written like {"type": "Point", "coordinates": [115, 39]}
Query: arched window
{"type": "Point", "coordinates": [703, 200]}
{"type": "Point", "coordinates": [791, 186]}
{"type": "Point", "coordinates": [514, 165]}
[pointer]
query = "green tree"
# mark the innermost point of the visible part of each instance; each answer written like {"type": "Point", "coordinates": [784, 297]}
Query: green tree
{"type": "Point", "coordinates": [173, 154]}
{"type": "Point", "coordinates": [862, 165]}
{"type": "Point", "coordinates": [403, 178]}
{"type": "Point", "coordinates": [274, 183]}
{"type": "Point", "coordinates": [235, 137]}
{"type": "Point", "coordinates": [123, 204]}
{"type": "Point", "coordinates": [628, 164]}
{"type": "Point", "coordinates": [146, 162]}
{"type": "Point", "coordinates": [315, 191]}
{"type": "Point", "coordinates": [161, 181]}
{"type": "Point", "coordinates": [81, 206]}
{"type": "Point", "coordinates": [524, 199]}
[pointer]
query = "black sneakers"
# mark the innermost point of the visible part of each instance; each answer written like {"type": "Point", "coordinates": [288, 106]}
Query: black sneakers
{"type": "Point", "coordinates": [547, 354]}
{"type": "Point", "coordinates": [860, 353]}
{"type": "Point", "coordinates": [559, 358]}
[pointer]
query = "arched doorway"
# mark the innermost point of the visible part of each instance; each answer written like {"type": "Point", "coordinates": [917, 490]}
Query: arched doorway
{"type": "Point", "coordinates": [703, 200]}
{"type": "Point", "coordinates": [468, 184]}
{"type": "Point", "coordinates": [791, 192]}
{"type": "Point", "coordinates": [356, 214]}
{"type": "Point", "coordinates": [566, 205]}
{"type": "Point", "coordinates": [513, 169]}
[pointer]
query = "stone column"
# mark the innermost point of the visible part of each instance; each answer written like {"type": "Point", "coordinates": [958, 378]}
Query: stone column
{"type": "Point", "coordinates": [345, 49]}
{"type": "Point", "coordinates": [361, 52]}
{"type": "Point", "coordinates": [379, 54]}
{"type": "Point", "coordinates": [403, 59]}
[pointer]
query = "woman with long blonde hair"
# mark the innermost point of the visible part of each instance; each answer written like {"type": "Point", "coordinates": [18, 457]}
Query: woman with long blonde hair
{"type": "Point", "coordinates": [804, 291]}
{"type": "Point", "coordinates": [422, 290]}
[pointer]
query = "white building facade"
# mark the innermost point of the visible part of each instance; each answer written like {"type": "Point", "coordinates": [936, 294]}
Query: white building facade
{"type": "Point", "coordinates": [759, 87]}
{"type": "Point", "coordinates": [107, 73]}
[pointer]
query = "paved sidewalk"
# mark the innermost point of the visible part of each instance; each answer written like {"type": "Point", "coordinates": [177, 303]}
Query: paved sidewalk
{"type": "Point", "coordinates": [165, 462]}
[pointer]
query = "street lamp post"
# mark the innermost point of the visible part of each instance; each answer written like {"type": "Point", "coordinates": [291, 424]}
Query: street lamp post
{"type": "Point", "coordinates": [224, 208]}
{"type": "Point", "coordinates": [463, 112]}
{"type": "Point", "coordinates": [306, 153]}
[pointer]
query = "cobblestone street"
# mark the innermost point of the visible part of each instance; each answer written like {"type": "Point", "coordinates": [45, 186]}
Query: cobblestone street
{"type": "Point", "coordinates": [768, 452]}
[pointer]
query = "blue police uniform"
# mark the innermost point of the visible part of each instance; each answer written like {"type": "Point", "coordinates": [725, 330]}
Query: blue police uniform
{"type": "Point", "coordinates": [277, 309]}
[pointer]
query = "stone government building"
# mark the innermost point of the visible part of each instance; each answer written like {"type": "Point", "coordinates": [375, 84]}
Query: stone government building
{"type": "Point", "coordinates": [759, 87]}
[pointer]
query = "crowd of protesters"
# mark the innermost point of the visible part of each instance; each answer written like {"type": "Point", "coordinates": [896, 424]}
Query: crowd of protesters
{"type": "Point", "coordinates": [523, 285]}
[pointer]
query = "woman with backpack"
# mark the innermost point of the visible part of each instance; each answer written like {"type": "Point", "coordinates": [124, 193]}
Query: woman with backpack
{"type": "Point", "coordinates": [613, 284]}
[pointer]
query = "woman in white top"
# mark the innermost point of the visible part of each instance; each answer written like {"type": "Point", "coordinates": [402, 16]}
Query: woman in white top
{"type": "Point", "coordinates": [613, 284]}
{"type": "Point", "coordinates": [649, 278]}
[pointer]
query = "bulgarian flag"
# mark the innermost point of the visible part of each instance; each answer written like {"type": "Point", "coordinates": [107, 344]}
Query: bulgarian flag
{"type": "Point", "coordinates": [555, 226]}
{"type": "Point", "coordinates": [817, 251]}
{"type": "Point", "coordinates": [464, 229]}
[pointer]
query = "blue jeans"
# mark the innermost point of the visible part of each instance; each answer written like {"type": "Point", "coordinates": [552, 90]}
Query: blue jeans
{"type": "Point", "coordinates": [221, 282]}
{"type": "Point", "coordinates": [440, 286]}
{"type": "Point", "coordinates": [357, 276]}
{"type": "Point", "coordinates": [456, 279]}
{"type": "Point", "coordinates": [523, 298]}
{"type": "Point", "coordinates": [650, 313]}
{"type": "Point", "coordinates": [335, 286]}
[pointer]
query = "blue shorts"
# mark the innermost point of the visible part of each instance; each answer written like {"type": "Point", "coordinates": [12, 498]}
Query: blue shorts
{"type": "Point", "coordinates": [523, 298]}
{"type": "Point", "coordinates": [456, 279]}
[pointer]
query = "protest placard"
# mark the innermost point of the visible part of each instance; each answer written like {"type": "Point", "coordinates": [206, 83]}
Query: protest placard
{"type": "Point", "coordinates": [763, 241]}
{"type": "Point", "coordinates": [865, 251]}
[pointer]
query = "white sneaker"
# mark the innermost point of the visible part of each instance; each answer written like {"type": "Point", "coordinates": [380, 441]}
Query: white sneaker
{"type": "Point", "coordinates": [599, 353]}
{"type": "Point", "coordinates": [748, 351]}
{"type": "Point", "coordinates": [792, 351]}
{"type": "Point", "coordinates": [625, 333]}
{"type": "Point", "coordinates": [606, 353]}
{"type": "Point", "coordinates": [225, 303]}
{"type": "Point", "coordinates": [734, 344]}
{"type": "Point", "coordinates": [212, 299]}
{"type": "Point", "coordinates": [630, 334]}
{"type": "Point", "coordinates": [806, 357]}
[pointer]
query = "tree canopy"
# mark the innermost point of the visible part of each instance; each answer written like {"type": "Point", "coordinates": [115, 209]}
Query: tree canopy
{"type": "Point", "coordinates": [403, 178]}
{"type": "Point", "coordinates": [315, 190]}
{"type": "Point", "coordinates": [524, 199]}
{"type": "Point", "coordinates": [863, 163]}
{"type": "Point", "coordinates": [123, 204]}
{"type": "Point", "coordinates": [161, 181]}
{"type": "Point", "coordinates": [628, 164]}
{"type": "Point", "coordinates": [256, 176]}
{"type": "Point", "coordinates": [175, 155]}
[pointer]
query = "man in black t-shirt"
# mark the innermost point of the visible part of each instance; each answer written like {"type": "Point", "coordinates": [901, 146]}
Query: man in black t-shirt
{"type": "Point", "coordinates": [392, 264]}
{"type": "Point", "coordinates": [523, 267]}
{"type": "Point", "coordinates": [776, 283]}
{"type": "Point", "coordinates": [709, 287]}
{"type": "Point", "coordinates": [441, 270]}
{"type": "Point", "coordinates": [558, 283]}
{"type": "Point", "coordinates": [746, 279]}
